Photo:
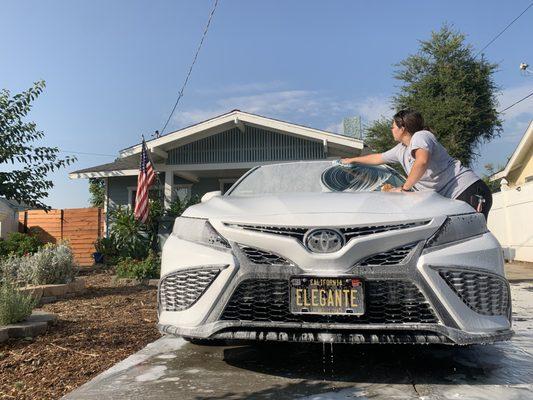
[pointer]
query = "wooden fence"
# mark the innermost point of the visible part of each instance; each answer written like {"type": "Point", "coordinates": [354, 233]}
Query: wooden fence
{"type": "Point", "coordinates": [79, 226]}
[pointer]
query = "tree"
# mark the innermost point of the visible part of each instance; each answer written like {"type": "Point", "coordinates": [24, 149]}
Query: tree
{"type": "Point", "coordinates": [26, 182]}
{"type": "Point", "coordinates": [97, 192]}
{"type": "Point", "coordinates": [454, 91]}
{"type": "Point", "coordinates": [494, 186]}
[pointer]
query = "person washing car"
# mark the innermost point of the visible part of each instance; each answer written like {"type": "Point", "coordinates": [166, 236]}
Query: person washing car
{"type": "Point", "coordinates": [428, 165]}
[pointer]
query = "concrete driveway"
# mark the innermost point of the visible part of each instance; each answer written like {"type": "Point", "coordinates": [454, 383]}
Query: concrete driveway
{"type": "Point", "coordinates": [171, 368]}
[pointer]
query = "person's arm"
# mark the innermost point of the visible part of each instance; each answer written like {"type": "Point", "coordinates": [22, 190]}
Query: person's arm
{"type": "Point", "coordinates": [371, 159]}
{"type": "Point", "coordinates": [419, 168]}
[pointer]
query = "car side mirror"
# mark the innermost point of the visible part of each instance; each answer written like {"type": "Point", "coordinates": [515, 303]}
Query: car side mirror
{"type": "Point", "coordinates": [209, 195]}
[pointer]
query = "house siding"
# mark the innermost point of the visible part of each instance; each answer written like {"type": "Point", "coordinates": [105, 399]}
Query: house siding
{"type": "Point", "coordinates": [252, 145]}
{"type": "Point", "coordinates": [118, 190]}
{"type": "Point", "coordinates": [526, 171]}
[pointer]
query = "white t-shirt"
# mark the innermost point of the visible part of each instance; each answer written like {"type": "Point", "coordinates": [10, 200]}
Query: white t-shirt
{"type": "Point", "coordinates": [444, 174]}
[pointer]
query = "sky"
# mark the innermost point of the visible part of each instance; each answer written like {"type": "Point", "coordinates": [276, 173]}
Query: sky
{"type": "Point", "coordinates": [113, 68]}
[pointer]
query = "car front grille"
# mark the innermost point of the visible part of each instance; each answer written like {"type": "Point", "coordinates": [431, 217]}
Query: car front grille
{"type": "Point", "coordinates": [386, 302]}
{"type": "Point", "coordinates": [483, 293]}
{"type": "Point", "coordinates": [391, 257]}
{"type": "Point", "coordinates": [358, 231]}
{"type": "Point", "coordinates": [348, 232]}
{"type": "Point", "coordinates": [180, 290]}
{"type": "Point", "coordinates": [262, 257]}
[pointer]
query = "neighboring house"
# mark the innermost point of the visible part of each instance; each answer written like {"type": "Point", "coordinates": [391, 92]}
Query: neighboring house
{"type": "Point", "coordinates": [213, 154]}
{"type": "Point", "coordinates": [8, 217]}
{"type": "Point", "coordinates": [511, 217]}
{"type": "Point", "coordinates": [519, 168]}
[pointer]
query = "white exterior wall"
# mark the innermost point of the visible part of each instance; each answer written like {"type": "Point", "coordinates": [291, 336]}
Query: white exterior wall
{"type": "Point", "coordinates": [511, 221]}
{"type": "Point", "coordinates": [8, 220]}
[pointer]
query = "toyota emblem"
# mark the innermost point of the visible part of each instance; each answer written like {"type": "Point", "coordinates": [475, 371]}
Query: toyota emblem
{"type": "Point", "coordinates": [324, 240]}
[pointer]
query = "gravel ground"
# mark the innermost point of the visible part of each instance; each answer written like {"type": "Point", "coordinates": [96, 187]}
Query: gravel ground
{"type": "Point", "coordinates": [96, 330]}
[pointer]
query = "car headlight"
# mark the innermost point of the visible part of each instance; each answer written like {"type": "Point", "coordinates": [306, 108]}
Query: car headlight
{"type": "Point", "coordinates": [458, 227]}
{"type": "Point", "coordinates": [198, 230]}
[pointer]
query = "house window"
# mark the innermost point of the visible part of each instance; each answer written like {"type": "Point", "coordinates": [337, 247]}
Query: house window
{"type": "Point", "coordinates": [153, 193]}
{"type": "Point", "coordinates": [226, 184]}
{"type": "Point", "coordinates": [183, 191]}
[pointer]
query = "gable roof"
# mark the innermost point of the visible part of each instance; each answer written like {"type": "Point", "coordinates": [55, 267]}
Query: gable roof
{"type": "Point", "coordinates": [128, 159]}
{"type": "Point", "coordinates": [518, 157]}
{"type": "Point", "coordinates": [237, 118]}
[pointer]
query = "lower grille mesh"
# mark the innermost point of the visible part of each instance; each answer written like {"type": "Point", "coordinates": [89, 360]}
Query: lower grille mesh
{"type": "Point", "coordinates": [385, 302]}
{"type": "Point", "coordinates": [261, 257]}
{"type": "Point", "coordinates": [485, 294]}
{"type": "Point", "coordinates": [180, 290]}
{"type": "Point", "coordinates": [391, 257]}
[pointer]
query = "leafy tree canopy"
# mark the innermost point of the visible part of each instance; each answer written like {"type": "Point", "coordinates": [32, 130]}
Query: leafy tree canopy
{"type": "Point", "coordinates": [27, 165]}
{"type": "Point", "coordinates": [97, 192]}
{"type": "Point", "coordinates": [454, 91]}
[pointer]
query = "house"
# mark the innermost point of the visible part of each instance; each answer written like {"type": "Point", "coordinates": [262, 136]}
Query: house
{"type": "Point", "coordinates": [511, 216]}
{"type": "Point", "coordinates": [519, 168]}
{"type": "Point", "coordinates": [213, 154]}
{"type": "Point", "coordinates": [8, 217]}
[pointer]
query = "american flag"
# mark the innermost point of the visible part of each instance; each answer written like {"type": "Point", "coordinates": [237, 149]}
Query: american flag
{"type": "Point", "coordinates": [144, 181]}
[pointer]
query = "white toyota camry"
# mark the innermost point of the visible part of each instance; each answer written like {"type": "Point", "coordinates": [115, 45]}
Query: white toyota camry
{"type": "Point", "coordinates": [310, 251]}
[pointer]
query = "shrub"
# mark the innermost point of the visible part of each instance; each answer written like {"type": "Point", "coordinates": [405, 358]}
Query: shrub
{"type": "Point", "coordinates": [19, 244]}
{"type": "Point", "coordinates": [107, 246]}
{"type": "Point", "coordinates": [177, 206]}
{"type": "Point", "coordinates": [139, 269]}
{"type": "Point", "coordinates": [52, 264]}
{"type": "Point", "coordinates": [10, 268]}
{"type": "Point", "coordinates": [127, 233]}
{"type": "Point", "coordinates": [15, 306]}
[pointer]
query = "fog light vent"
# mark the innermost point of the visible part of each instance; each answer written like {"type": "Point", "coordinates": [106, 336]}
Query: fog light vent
{"type": "Point", "coordinates": [180, 290]}
{"type": "Point", "coordinates": [483, 293]}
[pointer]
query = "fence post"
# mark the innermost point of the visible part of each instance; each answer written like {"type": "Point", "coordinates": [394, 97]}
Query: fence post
{"type": "Point", "coordinates": [99, 222]}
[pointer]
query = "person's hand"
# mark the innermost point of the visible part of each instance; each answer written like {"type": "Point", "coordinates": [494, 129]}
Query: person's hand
{"type": "Point", "coordinates": [346, 161]}
{"type": "Point", "coordinates": [396, 189]}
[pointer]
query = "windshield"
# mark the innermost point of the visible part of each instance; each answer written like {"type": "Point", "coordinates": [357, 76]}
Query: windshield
{"type": "Point", "coordinates": [315, 177]}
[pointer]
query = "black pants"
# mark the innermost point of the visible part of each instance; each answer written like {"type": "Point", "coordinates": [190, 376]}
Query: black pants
{"type": "Point", "coordinates": [471, 193]}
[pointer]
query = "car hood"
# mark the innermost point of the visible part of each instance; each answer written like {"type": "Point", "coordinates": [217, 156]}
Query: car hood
{"type": "Point", "coordinates": [333, 207]}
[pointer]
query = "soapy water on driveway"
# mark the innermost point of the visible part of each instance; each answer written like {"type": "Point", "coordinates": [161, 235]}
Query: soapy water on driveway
{"type": "Point", "coordinates": [171, 368]}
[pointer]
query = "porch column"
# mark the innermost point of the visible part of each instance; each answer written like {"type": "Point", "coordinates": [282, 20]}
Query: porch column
{"type": "Point", "coordinates": [106, 207]}
{"type": "Point", "coordinates": [169, 181]}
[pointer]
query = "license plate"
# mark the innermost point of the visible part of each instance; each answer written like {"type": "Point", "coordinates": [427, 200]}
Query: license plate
{"type": "Point", "coordinates": [322, 295]}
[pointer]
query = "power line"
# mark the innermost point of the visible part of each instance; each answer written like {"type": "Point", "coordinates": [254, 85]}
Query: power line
{"type": "Point", "coordinates": [507, 27]}
{"type": "Point", "coordinates": [180, 93]}
{"type": "Point", "coordinates": [516, 102]}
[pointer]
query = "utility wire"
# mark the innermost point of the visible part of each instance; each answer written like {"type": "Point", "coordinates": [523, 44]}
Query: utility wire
{"type": "Point", "coordinates": [180, 93]}
{"type": "Point", "coordinates": [507, 27]}
{"type": "Point", "coordinates": [516, 102]}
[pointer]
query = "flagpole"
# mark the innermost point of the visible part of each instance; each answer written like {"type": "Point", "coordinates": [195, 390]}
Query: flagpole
{"type": "Point", "coordinates": [148, 152]}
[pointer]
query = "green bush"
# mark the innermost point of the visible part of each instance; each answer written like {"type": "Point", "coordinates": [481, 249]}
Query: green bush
{"type": "Point", "coordinates": [177, 206]}
{"type": "Point", "coordinates": [127, 233]}
{"type": "Point", "coordinates": [139, 269]}
{"type": "Point", "coordinates": [19, 244]}
{"type": "Point", "coordinates": [14, 305]}
{"type": "Point", "coordinates": [107, 246]}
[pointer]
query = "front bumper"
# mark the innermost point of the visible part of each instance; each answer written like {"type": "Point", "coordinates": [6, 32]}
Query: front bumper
{"type": "Point", "coordinates": [455, 322]}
